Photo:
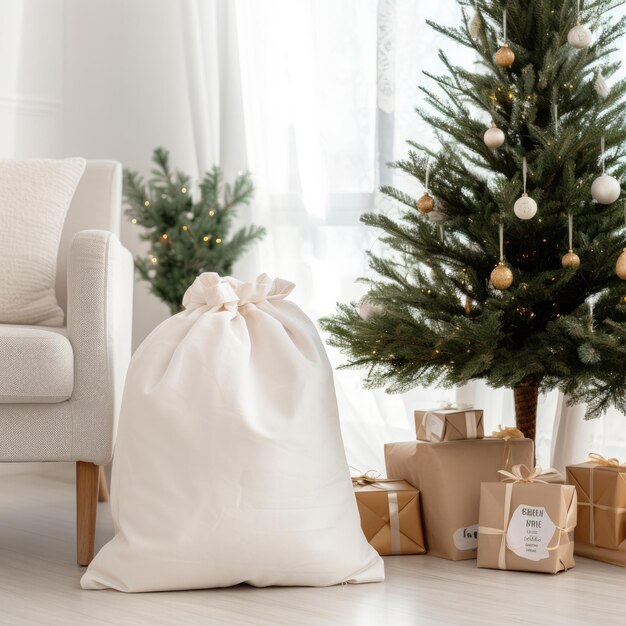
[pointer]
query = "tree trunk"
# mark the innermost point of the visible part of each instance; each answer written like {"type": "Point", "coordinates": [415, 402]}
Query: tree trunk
{"type": "Point", "coordinates": [526, 396]}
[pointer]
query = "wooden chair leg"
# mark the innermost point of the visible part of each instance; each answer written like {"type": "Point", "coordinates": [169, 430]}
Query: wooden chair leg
{"type": "Point", "coordinates": [103, 488]}
{"type": "Point", "coordinates": [86, 507]}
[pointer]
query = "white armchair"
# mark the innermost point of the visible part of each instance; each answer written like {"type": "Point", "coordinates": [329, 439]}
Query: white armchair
{"type": "Point", "coordinates": [60, 388]}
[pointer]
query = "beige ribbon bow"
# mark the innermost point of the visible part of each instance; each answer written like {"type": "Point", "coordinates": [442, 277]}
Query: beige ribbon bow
{"type": "Point", "coordinates": [510, 432]}
{"type": "Point", "coordinates": [521, 474]}
{"type": "Point", "coordinates": [456, 406]}
{"type": "Point", "coordinates": [366, 478]}
{"type": "Point", "coordinates": [600, 460]}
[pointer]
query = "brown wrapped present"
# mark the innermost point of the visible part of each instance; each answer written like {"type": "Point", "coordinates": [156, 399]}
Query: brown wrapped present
{"type": "Point", "coordinates": [614, 557]}
{"type": "Point", "coordinates": [449, 425]}
{"type": "Point", "coordinates": [527, 524]}
{"type": "Point", "coordinates": [390, 515]}
{"type": "Point", "coordinates": [448, 477]}
{"type": "Point", "coordinates": [601, 487]}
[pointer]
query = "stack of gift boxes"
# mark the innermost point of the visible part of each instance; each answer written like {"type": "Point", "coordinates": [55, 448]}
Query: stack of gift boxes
{"type": "Point", "coordinates": [457, 494]}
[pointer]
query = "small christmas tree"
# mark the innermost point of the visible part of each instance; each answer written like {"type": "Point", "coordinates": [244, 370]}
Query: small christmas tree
{"type": "Point", "coordinates": [187, 236]}
{"type": "Point", "coordinates": [505, 270]}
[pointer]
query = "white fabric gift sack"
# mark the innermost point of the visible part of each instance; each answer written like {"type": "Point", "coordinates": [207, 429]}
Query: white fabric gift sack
{"type": "Point", "coordinates": [229, 465]}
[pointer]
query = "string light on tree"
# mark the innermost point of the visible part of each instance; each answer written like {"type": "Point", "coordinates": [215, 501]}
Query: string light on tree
{"type": "Point", "coordinates": [525, 207]}
{"type": "Point", "coordinates": [426, 203]}
{"type": "Point", "coordinates": [505, 57]}
{"type": "Point", "coordinates": [570, 260]}
{"type": "Point", "coordinates": [501, 276]}
{"type": "Point", "coordinates": [580, 36]}
{"type": "Point", "coordinates": [605, 189]}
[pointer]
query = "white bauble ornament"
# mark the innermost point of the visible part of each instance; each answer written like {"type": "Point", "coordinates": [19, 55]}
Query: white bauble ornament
{"type": "Point", "coordinates": [525, 207]}
{"type": "Point", "coordinates": [620, 266]}
{"type": "Point", "coordinates": [602, 89]}
{"type": "Point", "coordinates": [367, 308]}
{"type": "Point", "coordinates": [474, 26]}
{"type": "Point", "coordinates": [494, 137]}
{"type": "Point", "coordinates": [579, 37]}
{"type": "Point", "coordinates": [438, 215]}
{"type": "Point", "coordinates": [605, 189]}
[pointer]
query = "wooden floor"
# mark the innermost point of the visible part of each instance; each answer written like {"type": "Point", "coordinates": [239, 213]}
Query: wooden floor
{"type": "Point", "coordinates": [39, 584]}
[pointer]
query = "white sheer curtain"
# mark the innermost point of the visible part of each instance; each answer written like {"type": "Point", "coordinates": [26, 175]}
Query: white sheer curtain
{"type": "Point", "coordinates": [324, 97]}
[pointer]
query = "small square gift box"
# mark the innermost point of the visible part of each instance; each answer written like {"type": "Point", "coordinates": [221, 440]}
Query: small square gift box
{"type": "Point", "coordinates": [601, 487]}
{"type": "Point", "coordinates": [449, 424]}
{"type": "Point", "coordinates": [390, 514]}
{"type": "Point", "coordinates": [526, 524]}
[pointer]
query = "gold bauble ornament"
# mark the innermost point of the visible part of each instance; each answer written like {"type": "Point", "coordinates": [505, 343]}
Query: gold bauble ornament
{"type": "Point", "coordinates": [570, 260]}
{"type": "Point", "coordinates": [501, 276]}
{"type": "Point", "coordinates": [426, 203]}
{"type": "Point", "coordinates": [505, 56]}
{"type": "Point", "coordinates": [620, 266]}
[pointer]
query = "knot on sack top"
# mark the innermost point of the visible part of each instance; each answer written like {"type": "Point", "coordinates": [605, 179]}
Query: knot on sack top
{"type": "Point", "coordinates": [228, 293]}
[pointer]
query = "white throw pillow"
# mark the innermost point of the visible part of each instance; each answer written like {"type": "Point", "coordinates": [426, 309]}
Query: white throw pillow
{"type": "Point", "coordinates": [34, 197]}
{"type": "Point", "coordinates": [229, 465]}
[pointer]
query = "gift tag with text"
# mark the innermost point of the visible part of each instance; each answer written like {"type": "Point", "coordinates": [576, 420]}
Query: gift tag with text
{"type": "Point", "coordinates": [530, 532]}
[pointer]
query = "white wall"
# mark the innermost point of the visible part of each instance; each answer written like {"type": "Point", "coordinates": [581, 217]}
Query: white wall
{"type": "Point", "coordinates": [124, 93]}
{"type": "Point", "coordinates": [30, 77]}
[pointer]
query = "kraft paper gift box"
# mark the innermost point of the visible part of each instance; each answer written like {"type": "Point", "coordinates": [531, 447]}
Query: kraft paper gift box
{"type": "Point", "coordinates": [449, 424]}
{"type": "Point", "coordinates": [526, 525]}
{"type": "Point", "coordinates": [448, 476]}
{"type": "Point", "coordinates": [390, 515]}
{"type": "Point", "coordinates": [614, 557]}
{"type": "Point", "coordinates": [601, 487]}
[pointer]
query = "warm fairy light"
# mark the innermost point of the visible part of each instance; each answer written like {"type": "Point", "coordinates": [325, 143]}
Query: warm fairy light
{"type": "Point", "coordinates": [185, 227]}
{"type": "Point", "coordinates": [146, 203]}
{"type": "Point", "coordinates": [184, 189]}
{"type": "Point", "coordinates": [211, 213]}
{"type": "Point", "coordinates": [134, 220]}
{"type": "Point", "coordinates": [164, 236]}
{"type": "Point", "coordinates": [218, 240]}
{"type": "Point", "coordinates": [153, 259]}
{"type": "Point", "coordinates": [205, 238]}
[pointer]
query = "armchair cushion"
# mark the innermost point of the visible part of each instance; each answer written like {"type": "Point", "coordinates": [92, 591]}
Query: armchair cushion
{"type": "Point", "coordinates": [34, 198]}
{"type": "Point", "coordinates": [36, 365]}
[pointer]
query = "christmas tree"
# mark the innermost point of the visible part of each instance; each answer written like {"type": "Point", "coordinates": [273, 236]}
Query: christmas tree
{"type": "Point", "coordinates": [187, 236]}
{"type": "Point", "coordinates": [508, 269]}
